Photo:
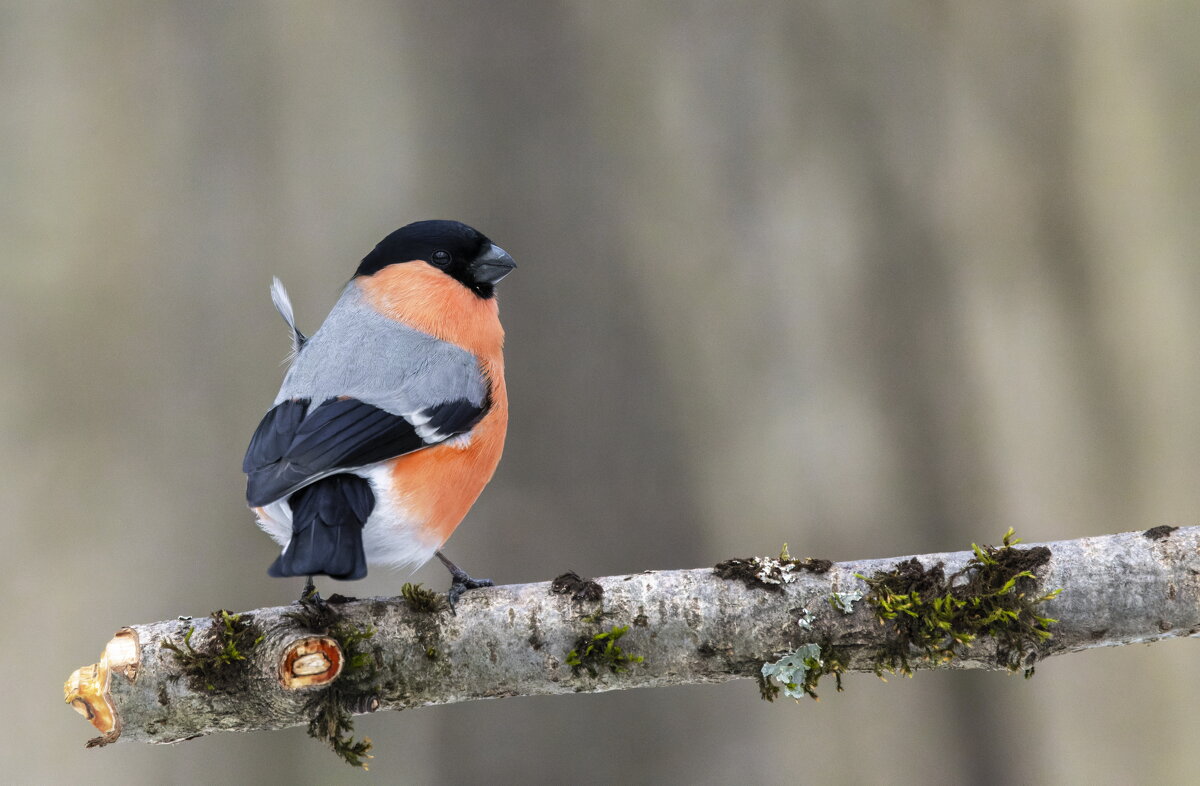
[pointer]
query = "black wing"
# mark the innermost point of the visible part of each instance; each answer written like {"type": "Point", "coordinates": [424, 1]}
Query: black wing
{"type": "Point", "coordinates": [294, 446]}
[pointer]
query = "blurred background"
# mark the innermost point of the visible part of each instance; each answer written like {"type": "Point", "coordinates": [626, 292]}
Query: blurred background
{"type": "Point", "coordinates": [872, 279]}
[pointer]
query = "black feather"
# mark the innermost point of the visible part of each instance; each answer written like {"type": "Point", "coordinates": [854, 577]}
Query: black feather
{"type": "Point", "coordinates": [421, 240]}
{"type": "Point", "coordinates": [327, 524]}
{"type": "Point", "coordinates": [454, 417]}
{"type": "Point", "coordinates": [275, 433]}
{"type": "Point", "coordinates": [294, 444]}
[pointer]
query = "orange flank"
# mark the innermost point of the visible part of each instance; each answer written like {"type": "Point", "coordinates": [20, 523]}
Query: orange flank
{"type": "Point", "coordinates": [440, 484]}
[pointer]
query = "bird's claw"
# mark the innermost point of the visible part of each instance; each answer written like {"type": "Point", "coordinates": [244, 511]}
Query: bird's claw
{"type": "Point", "coordinates": [310, 595]}
{"type": "Point", "coordinates": [460, 582]}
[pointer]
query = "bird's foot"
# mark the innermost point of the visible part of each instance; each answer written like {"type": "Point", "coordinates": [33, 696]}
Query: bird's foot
{"type": "Point", "coordinates": [310, 595]}
{"type": "Point", "coordinates": [460, 582]}
{"type": "Point", "coordinates": [316, 613]}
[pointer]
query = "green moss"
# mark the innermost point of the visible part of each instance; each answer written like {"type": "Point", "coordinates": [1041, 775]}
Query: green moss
{"type": "Point", "coordinates": [596, 617]}
{"type": "Point", "coordinates": [360, 663]}
{"type": "Point", "coordinates": [601, 651]}
{"type": "Point", "coordinates": [218, 662]}
{"type": "Point", "coordinates": [831, 664]}
{"type": "Point", "coordinates": [333, 708]}
{"type": "Point", "coordinates": [334, 724]}
{"type": "Point", "coordinates": [421, 600]}
{"type": "Point", "coordinates": [767, 690]}
{"type": "Point", "coordinates": [936, 617]}
{"type": "Point", "coordinates": [314, 615]}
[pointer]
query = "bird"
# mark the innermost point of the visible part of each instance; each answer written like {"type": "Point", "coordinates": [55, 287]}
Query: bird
{"type": "Point", "coordinates": [392, 416]}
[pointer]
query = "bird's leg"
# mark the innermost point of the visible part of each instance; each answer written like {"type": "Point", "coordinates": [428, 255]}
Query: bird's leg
{"type": "Point", "coordinates": [309, 594]}
{"type": "Point", "coordinates": [316, 613]}
{"type": "Point", "coordinates": [460, 582]}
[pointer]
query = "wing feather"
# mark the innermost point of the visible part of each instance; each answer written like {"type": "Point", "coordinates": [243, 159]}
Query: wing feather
{"type": "Point", "coordinates": [294, 446]}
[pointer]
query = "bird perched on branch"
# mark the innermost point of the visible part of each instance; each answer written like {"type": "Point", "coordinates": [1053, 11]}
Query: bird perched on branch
{"type": "Point", "coordinates": [392, 417]}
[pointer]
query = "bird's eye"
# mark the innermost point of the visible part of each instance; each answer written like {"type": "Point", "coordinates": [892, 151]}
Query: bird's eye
{"type": "Point", "coordinates": [441, 258]}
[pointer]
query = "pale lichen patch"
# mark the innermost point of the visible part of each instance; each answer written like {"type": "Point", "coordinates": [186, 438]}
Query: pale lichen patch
{"type": "Point", "coordinates": [792, 670]}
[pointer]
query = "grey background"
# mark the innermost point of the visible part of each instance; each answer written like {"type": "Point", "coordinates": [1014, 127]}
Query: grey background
{"type": "Point", "coordinates": [872, 279]}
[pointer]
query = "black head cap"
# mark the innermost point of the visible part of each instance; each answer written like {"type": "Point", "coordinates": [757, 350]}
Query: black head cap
{"type": "Point", "coordinates": [456, 249]}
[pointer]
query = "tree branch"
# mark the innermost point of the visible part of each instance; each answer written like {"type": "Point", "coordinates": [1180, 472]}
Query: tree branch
{"type": "Point", "coordinates": [278, 667]}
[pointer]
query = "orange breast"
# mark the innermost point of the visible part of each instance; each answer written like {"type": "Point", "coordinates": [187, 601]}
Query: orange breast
{"type": "Point", "coordinates": [438, 485]}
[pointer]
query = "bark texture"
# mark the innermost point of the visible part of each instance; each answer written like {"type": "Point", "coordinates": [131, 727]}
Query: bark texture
{"type": "Point", "coordinates": [237, 672]}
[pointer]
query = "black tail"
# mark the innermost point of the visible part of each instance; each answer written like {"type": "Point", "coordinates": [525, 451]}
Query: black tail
{"type": "Point", "coordinates": [327, 524]}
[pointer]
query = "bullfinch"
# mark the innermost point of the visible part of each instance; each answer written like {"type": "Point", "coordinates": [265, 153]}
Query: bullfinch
{"type": "Point", "coordinates": [392, 416]}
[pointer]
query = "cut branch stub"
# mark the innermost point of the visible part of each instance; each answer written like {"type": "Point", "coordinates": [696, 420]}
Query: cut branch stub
{"type": "Point", "coordinates": [312, 661]}
{"type": "Point", "coordinates": [87, 689]}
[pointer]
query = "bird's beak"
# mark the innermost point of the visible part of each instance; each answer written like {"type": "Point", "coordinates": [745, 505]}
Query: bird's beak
{"type": "Point", "coordinates": [492, 265]}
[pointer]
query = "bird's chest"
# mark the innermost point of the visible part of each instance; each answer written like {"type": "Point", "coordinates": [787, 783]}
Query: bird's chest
{"type": "Point", "coordinates": [438, 485]}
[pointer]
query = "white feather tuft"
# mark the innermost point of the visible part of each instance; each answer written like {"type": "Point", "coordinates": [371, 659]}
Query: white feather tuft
{"type": "Point", "coordinates": [275, 519]}
{"type": "Point", "coordinates": [283, 304]}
